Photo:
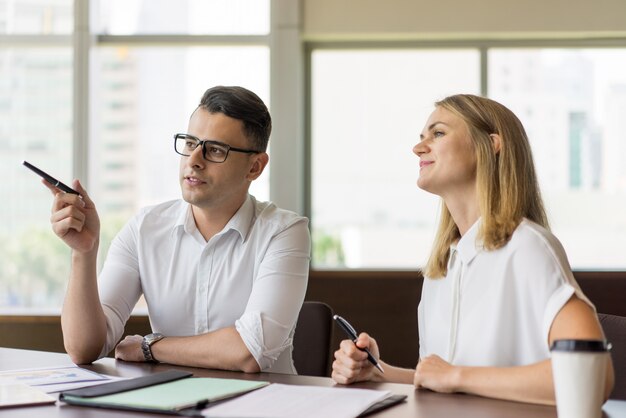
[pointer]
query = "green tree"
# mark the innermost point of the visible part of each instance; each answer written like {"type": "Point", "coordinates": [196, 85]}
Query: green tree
{"type": "Point", "coordinates": [35, 266]}
{"type": "Point", "coordinates": [327, 250]}
{"type": "Point", "coordinates": [35, 270]}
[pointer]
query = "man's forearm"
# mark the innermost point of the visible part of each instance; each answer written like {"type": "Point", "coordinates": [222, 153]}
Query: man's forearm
{"type": "Point", "coordinates": [222, 349]}
{"type": "Point", "coordinates": [82, 318]}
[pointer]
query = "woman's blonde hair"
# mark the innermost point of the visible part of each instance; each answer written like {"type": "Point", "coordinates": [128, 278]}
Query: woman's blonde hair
{"type": "Point", "coordinates": [506, 182]}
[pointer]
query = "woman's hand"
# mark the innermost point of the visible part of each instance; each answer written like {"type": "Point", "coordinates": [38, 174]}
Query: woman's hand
{"type": "Point", "coordinates": [436, 374]}
{"type": "Point", "coordinates": [351, 364]}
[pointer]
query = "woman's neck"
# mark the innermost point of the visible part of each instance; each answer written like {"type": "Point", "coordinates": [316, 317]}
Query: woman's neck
{"type": "Point", "coordinates": [464, 210]}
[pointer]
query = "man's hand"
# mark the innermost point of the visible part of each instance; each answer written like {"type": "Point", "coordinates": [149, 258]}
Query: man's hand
{"type": "Point", "coordinates": [129, 349]}
{"type": "Point", "coordinates": [74, 218]}
{"type": "Point", "coordinates": [436, 374]}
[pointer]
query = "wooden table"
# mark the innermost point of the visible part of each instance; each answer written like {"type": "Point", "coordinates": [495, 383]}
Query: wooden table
{"type": "Point", "coordinates": [419, 404]}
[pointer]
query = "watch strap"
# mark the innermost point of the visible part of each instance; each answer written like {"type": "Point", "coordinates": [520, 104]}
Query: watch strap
{"type": "Point", "coordinates": [146, 346]}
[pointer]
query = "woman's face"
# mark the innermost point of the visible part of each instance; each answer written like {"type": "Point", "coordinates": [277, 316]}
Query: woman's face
{"type": "Point", "coordinates": [447, 156]}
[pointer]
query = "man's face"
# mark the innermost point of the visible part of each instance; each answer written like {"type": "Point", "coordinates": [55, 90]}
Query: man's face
{"type": "Point", "coordinates": [206, 184]}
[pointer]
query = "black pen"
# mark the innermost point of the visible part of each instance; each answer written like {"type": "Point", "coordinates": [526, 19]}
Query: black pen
{"type": "Point", "coordinates": [349, 329]}
{"type": "Point", "coordinates": [47, 177]}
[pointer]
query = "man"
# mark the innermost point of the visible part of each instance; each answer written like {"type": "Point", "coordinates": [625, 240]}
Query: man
{"type": "Point", "coordinates": [223, 275]}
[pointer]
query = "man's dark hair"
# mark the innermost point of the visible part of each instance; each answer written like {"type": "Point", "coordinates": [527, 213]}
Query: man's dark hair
{"type": "Point", "coordinates": [242, 104]}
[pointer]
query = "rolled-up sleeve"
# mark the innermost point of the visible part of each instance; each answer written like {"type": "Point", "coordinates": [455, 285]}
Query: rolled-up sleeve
{"type": "Point", "coordinates": [266, 326]}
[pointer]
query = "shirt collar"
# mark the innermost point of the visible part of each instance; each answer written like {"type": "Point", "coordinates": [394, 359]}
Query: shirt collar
{"type": "Point", "coordinates": [469, 245]}
{"type": "Point", "coordinates": [240, 222]}
{"type": "Point", "coordinates": [242, 219]}
{"type": "Point", "coordinates": [184, 221]}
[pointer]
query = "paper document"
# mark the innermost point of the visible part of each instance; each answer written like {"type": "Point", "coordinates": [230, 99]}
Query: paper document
{"type": "Point", "coordinates": [287, 401]}
{"type": "Point", "coordinates": [54, 379]}
{"type": "Point", "coordinates": [20, 394]}
{"type": "Point", "coordinates": [60, 387]}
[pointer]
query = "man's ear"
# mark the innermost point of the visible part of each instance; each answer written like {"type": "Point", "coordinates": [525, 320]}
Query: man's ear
{"type": "Point", "coordinates": [259, 161]}
{"type": "Point", "coordinates": [496, 142]}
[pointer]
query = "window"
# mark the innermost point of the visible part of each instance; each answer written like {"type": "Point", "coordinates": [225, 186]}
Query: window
{"type": "Point", "coordinates": [368, 109]}
{"type": "Point", "coordinates": [572, 103]}
{"type": "Point", "coordinates": [190, 17]}
{"type": "Point", "coordinates": [149, 66]}
{"type": "Point", "coordinates": [151, 106]}
{"type": "Point", "coordinates": [150, 61]}
{"type": "Point", "coordinates": [368, 106]}
{"type": "Point", "coordinates": [36, 90]}
{"type": "Point", "coordinates": [36, 17]}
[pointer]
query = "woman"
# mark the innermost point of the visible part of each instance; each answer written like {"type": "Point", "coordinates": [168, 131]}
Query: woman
{"type": "Point", "coordinates": [498, 288]}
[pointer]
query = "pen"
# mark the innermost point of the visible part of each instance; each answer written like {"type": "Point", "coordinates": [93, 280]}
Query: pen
{"type": "Point", "coordinates": [47, 177]}
{"type": "Point", "coordinates": [349, 329]}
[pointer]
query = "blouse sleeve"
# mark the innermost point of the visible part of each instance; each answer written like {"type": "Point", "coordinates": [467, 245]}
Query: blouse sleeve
{"type": "Point", "coordinates": [558, 285]}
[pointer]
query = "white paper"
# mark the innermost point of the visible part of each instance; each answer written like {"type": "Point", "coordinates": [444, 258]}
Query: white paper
{"type": "Point", "coordinates": [287, 401]}
{"type": "Point", "coordinates": [54, 379]}
{"type": "Point", "coordinates": [60, 387]}
{"type": "Point", "coordinates": [16, 394]}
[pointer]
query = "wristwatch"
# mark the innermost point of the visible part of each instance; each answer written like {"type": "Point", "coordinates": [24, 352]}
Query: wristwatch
{"type": "Point", "coordinates": [147, 342]}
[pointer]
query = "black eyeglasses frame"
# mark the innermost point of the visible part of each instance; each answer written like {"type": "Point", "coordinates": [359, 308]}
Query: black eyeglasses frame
{"type": "Point", "coordinates": [203, 144]}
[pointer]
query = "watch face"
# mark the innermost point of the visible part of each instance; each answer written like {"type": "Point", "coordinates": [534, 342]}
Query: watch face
{"type": "Point", "coordinates": [152, 338]}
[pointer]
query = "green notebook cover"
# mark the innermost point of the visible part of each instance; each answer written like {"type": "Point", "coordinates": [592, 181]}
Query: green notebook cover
{"type": "Point", "coordinates": [171, 396]}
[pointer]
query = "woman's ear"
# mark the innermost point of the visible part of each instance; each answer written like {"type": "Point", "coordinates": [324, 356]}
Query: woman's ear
{"type": "Point", "coordinates": [496, 142]}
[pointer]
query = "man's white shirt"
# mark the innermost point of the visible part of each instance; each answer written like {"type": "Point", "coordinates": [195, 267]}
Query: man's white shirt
{"type": "Point", "coordinates": [253, 275]}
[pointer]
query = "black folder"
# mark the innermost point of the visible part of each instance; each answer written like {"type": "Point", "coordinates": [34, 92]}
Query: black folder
{"type": "Point", "coordinates": [384, 404]}
{"type": "Point", "coordinates": [125, 385]}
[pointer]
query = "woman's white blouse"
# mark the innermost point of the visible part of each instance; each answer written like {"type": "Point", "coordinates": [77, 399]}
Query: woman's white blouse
{"type": "Point", "coordinates": [495, 308]}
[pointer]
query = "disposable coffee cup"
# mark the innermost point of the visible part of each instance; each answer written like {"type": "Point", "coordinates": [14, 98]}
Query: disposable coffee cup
{"type": "Point", "coordinates": [579, 372]}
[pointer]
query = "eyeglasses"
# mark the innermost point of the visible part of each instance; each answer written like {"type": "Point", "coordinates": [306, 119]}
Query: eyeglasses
{"type": "Point", "coordinates": [213, 151]}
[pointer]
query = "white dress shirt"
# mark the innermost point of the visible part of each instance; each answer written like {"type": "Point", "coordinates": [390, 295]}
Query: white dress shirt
{"type": "Point", "coordinates": [495, 308]}
{"type": "Point", "coordinates": [252, 275]}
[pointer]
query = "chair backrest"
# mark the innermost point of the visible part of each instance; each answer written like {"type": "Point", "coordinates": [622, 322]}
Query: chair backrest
{"type": "Point", "coordinates": [311, 341]}
{"type": "Point", "coordinates": [615, 331]}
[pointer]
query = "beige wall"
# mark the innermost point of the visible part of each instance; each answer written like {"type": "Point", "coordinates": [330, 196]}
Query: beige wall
{"type": "Point", "coordinates": [444, 19]}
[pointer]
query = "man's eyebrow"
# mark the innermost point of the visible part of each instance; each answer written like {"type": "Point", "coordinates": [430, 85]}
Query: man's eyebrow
{"type": "Point", "coordinates": [432, 126]}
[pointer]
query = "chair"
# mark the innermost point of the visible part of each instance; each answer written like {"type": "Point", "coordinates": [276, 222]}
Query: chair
{"type": "Point", "coordinates": [311, 341]}
{"type": "Point", "coordinates": [615, 331]}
